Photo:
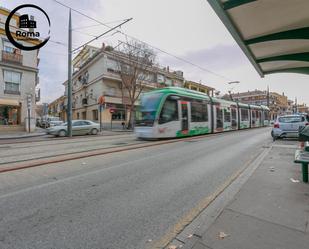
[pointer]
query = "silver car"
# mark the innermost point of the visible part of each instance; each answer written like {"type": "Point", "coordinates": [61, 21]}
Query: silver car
{"type": "Point", "coordinates": [79, 127]}
{"type": "Point", "coordinates": [288, 125]}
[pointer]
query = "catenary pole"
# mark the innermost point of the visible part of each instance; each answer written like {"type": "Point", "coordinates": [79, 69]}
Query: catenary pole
{"type": "Point", "coordinates": [69, 108]}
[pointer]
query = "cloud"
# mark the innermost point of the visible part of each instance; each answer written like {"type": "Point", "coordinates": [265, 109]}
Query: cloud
{"type": "Point", "coordinates": [217, 58]}
{"type": "Point", "coordinates": [188, 29]}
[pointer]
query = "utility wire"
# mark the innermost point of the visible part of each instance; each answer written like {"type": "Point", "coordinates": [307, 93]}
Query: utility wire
{"type": "Point", "coordinates": [132, 37]}
{"type": "Point", "coordinates": [127, 20]}
{"type": "Point", "coordinates": [95, 25]}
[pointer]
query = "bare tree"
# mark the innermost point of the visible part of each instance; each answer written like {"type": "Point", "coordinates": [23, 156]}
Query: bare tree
{"type": "Point", "coordinates": [134, 60]}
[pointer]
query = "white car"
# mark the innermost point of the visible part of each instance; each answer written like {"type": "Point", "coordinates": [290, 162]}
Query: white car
{"type": "Point", "coordinates": [288, 126]}
{"type": "Point", "coordinates": [79, 127]}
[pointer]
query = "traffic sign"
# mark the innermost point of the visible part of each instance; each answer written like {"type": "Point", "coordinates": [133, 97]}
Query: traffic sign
{"type": "Point", "coordinates": [111, 110]}
{"type": "Point", "coordinates": [101, 100]}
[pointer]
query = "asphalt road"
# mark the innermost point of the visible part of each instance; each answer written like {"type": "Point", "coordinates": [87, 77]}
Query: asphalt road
{"type": "Point", "coordinates": [33, 149]}
{"type": "Point", "coordinates": [120, 200]}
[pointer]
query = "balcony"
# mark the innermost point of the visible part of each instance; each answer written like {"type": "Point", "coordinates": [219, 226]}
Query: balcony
{"type": "Point", "coordinates": [12, 58]}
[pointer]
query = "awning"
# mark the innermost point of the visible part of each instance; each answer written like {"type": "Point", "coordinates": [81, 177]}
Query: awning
{"type": "Point", "coordinates": [11, 102]}
{"type": "Point", "coordinates": [274, 34]}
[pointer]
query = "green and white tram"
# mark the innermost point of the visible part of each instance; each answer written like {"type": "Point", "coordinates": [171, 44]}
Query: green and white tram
{"type": "Point", "coordinates": [178, 112]}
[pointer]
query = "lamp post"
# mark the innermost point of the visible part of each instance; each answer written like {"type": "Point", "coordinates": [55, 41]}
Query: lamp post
{"type": "Point", "coordinates": [69, 110]}
{"type": "Point", "coordinates": [230, 91]}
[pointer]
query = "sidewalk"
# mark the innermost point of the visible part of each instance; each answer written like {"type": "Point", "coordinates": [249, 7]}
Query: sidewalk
{"type": "Point", "coordinates": [22, 134]}
{"type": "Point", "coordinates": [271, 210]}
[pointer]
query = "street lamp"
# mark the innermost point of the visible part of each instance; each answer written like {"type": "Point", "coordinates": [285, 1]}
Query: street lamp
{"type": "Point", "coordinates": [230, 91]}
{"type": "Point", "coordinates": [234, 82]}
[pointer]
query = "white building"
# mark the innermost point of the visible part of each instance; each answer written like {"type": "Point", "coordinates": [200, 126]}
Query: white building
{"type": "Point", "coordinates": [18, 80]}
{"type": "Point", "coordinates": [96, 74]}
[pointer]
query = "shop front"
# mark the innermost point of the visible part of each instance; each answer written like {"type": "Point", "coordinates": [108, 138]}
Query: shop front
{"type": "Point", "coordinates": [10, 112]}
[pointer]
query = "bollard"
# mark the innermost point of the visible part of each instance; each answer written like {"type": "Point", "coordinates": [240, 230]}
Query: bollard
{"type": "Point", "coordinates": [305, 171]}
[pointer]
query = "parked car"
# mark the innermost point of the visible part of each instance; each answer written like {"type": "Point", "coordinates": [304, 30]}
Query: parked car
{"type": "Point", "coordinates": [288, 126]}
{"type": "Point", "coordinates": [54, 122]}
{"type": "Point", "coordinates": [79, 127]}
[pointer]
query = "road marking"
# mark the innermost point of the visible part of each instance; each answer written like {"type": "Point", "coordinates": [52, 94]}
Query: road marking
{"type": "Point", "coordinates": [204, 203]}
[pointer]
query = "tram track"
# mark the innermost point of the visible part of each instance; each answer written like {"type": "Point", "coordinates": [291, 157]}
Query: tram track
{"type": "Point", "coordinates": [49, 138]}
{"type": "Point", "coordinates": [41, 161]}
{"type": "Point", "coordinates": [12, 155]}
{"type": "Point", "coordinates": [74, 140]}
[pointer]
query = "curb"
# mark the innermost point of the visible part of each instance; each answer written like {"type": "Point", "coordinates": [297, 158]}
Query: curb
{"type": "Point", "coordinates": [214, 206]}
{"type": "Point", "coordinates": [22, 136]}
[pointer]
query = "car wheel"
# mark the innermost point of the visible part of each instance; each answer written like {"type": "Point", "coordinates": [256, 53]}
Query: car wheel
{"type": "Point", "coordinates": [62, 133]}
{"type": "Point", "coordinates": [94, 132]}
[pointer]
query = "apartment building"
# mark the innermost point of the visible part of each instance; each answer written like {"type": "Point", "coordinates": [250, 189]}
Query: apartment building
{"type": "Point", "coordinates": [277, 103]}
{"type": "Point", "coordinates": [96, 73]}
{"type": "Point", "coordinates": [199, 87]}
{"type": "Point", "coordinates": [18, 80]}
{"type": "Point", "coordinates": [57, 108]}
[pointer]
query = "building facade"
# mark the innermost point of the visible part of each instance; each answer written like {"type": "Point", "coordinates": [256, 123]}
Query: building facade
{"type": "Point", "coordinates": [57, 108]}
{"type": "Point", "coordinates": [199, 87]}
{"type": "Point", "coordinates": [303, 108]}
{"type": "Point", "coordinates": [96, 73]}
{"type": "Point", "coordinates": [18, 80]}
{"type": "Point", "coordinates": [277, 103]}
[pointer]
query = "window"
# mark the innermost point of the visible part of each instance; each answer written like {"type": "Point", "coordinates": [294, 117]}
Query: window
{"type": "Point", "coordinates": [112, 65]}
{"type": "Point", "coordinates": [169, 111]}
{"type": "Point", "coordinates": [253, 114]}
{"type": "Point", "coordinates": [95, 114]}
{"type": "Point", "coordinates": [12, 81]}
{"type": "Point", "coordinates": [219, 117]}
{"type": "Point", "coordinates": [244, 115]}
{"type": "Point", "coordinates": [78, 123]}
{"type": "Point", "coordinates": [227, 115]}
{"type": "Point", "coordinates": [291, 119]}
{"type": "Point", "coordinates": [146, 113]}
{"type": "Point", "coordinates": [8, 47]}
{"type": "Point", "coordinates": [169, 82]}
{"type": "Point", "coordinates": [234, 117]}
{"type": "Point", "coordinates": [199, 111]}
{"type": "Point", "coordinates": [111, 91]}
{"type": "Point", "coordinates": [118, 115]}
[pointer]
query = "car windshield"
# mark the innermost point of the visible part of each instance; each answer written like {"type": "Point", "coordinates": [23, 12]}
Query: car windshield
{"type": "Point", "coordinates": [54, 119]}
{"type": "Point", "coordinates": [291, 119]}
{"type": "Point", "coordinates": [146, 113]}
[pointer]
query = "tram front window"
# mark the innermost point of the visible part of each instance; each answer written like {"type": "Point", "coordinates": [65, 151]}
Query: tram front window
{"type": "Point", "coordinates": [169, 111]}
{"type": "Point", "coordinates": [146, 113]}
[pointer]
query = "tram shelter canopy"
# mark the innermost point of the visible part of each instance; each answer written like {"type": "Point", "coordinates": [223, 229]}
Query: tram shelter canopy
{"type": "Point", "coordinates": [274, 34]}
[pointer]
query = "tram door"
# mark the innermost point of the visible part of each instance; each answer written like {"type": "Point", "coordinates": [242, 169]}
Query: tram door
{"type": "Point", "coordinates": [234, 118]}
{"type": "Point", "coordinates": [184, 116]}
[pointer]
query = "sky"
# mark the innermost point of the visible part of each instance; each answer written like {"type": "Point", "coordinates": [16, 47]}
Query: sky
{"type": "Point", "coordinates": [186, 29]}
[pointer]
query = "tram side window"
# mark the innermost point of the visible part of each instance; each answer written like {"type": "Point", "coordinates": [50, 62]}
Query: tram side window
{"type": "Point", "coordinates": [169, 111]}
{"type": "Point", "coordinates": [227, 116]}
{"type": "Point", "coordinates": [253, 115]}
{"type": "Point", "coordinates": [199, 112]}
{"type": "Point", "coordinates": [219, 117]}
{"type": "Point", "coordinates": [244, 115]}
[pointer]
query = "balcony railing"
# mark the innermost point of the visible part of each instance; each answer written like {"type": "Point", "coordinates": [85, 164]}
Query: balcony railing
{"type": "Point", "coordinates": [12, 58]}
